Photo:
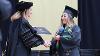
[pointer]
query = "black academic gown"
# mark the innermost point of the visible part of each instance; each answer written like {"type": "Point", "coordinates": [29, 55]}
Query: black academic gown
{"type": "Point", "coordinates": [66, 45]}
{"type": "Point", "coordinates": [15, 46]}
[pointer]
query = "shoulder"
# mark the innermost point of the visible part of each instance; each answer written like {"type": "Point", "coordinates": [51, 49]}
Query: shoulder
{"type": "Point", "coordinates": [76, 28]}
{"type": "Point", "coordinates": [61, 28]}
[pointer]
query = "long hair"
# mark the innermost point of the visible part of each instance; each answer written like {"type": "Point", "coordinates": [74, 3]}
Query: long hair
{"type": "Point", "coordinates": [70, 19]}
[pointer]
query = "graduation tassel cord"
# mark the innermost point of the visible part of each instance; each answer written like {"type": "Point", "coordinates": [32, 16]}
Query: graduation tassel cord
{"type": "Point", "coordinates": [57, 44]}
{"type": "Point", "coordinates": [57, 41]}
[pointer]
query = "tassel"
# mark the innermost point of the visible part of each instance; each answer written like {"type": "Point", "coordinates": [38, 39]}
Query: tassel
{"type": "Point", "coordinates": [57, 45]}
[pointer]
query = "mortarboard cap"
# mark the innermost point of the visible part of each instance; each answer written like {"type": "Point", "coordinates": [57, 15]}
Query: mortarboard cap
{"type": "Point", "coordinates": [21, 6]}
{"type": "Point", "coordinates": [71, 11]}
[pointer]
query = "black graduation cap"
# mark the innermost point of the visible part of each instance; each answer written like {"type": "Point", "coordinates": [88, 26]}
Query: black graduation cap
{"type": "Point", "coordinates": [71, 11]}
{"type": "Point", "coordinates": [21, 6]}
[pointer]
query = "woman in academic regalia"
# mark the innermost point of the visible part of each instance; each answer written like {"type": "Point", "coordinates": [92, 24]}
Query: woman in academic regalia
{"type": "Point", "coordinates": [19, 41]}
{"type": "Point", "coordinates": [68, 36]}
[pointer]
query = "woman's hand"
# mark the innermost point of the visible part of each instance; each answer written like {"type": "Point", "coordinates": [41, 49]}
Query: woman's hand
{"type": "Point", "coordinates": [47, 43]}
{"type": "Point", "coordinates": [15, 16]}
{"type": "Point", "coordinates": [57, 37]}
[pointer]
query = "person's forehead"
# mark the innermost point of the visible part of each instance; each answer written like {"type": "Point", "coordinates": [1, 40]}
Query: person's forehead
{"type": "Point", "coordinates": [65, 13]}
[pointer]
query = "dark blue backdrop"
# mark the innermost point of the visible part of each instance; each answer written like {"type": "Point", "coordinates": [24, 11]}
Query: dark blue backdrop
{"type": "Point", "coordinates": [89, 21]}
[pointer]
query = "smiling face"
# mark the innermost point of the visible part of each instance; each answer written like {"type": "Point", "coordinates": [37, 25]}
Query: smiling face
{"type": "Point", "coordinates": [64, 18]}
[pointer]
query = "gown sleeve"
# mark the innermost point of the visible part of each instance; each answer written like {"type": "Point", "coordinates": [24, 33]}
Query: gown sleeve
{"type": "Point", "coordinates": [73, 37]}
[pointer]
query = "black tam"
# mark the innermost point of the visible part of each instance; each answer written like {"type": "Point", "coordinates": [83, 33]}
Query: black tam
{"type": "Point", "coordinates": [21, 6]}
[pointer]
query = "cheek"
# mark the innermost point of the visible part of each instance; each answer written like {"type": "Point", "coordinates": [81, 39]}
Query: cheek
{"type": "Point", "coordinates": [29, 13]}
{"type": "Point", "coordinates": [64, 21]}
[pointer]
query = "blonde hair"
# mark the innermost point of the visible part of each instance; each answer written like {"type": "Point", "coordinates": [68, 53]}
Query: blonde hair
{"type": "Point", "coordinates": [70, 19]}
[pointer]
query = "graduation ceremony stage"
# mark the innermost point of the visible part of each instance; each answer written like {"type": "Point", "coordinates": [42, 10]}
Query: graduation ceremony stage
{"type": "Point", "coordinates": [83, 52]}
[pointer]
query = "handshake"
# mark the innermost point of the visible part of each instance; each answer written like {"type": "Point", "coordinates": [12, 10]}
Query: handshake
{"type": "Point", "coordinates": [48, 43]}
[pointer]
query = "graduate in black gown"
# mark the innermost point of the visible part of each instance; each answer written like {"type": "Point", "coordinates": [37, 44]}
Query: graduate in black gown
{"type": "Point", "coordinates": [68, 36]}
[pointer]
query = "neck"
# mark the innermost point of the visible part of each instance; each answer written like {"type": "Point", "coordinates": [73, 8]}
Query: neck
{"type": "Point", "coordinates": [64, 25]}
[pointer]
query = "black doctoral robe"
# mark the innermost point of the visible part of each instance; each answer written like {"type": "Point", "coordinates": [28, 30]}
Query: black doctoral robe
{"type": "Point", "coordinates": [15, 46]}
